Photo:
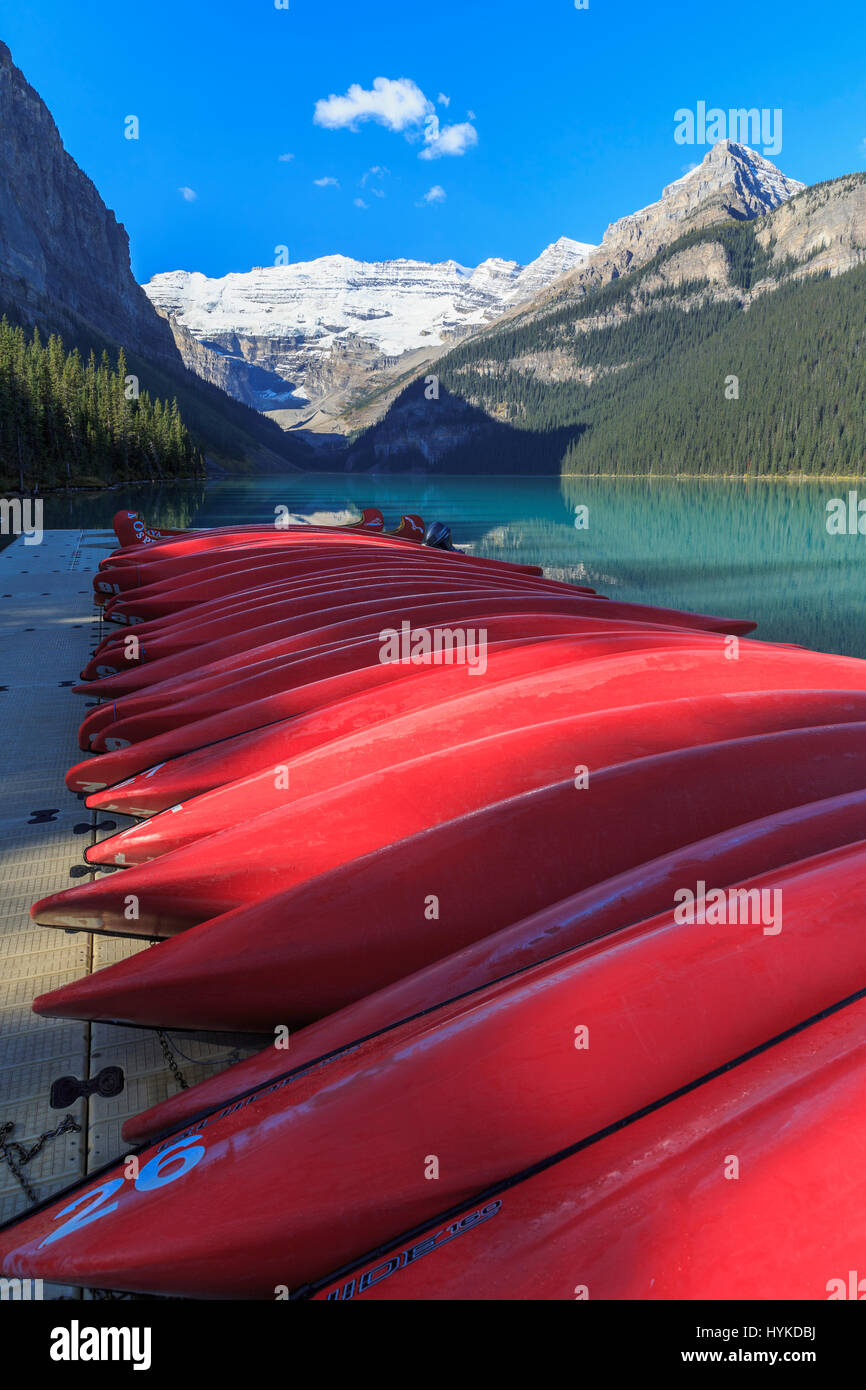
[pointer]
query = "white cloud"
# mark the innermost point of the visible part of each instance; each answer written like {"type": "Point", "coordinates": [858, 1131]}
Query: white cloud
{"type": "Point", "coordinates": [377, 172]}
{"type": "Point", "coordinates": [327, 183]}
{"type": "Point", "coordinates": [443, 100]}
{"type": "Point", "coordinates": [189, 195]}
{"type": "Point", "coordinates": [378, 192]}
{"type": "Point", "coordinates": [398, 104]}
{"type": "Point", "coordinates": [450, 140]}
{"type": "Point", "coordinates": [359, 203]}
{"type": "Point", "coordinates": [436, 194]}
{"type": "Point", "coordinates": [401, 106]}
{"type": "Point", "coordinates": [286, 158]}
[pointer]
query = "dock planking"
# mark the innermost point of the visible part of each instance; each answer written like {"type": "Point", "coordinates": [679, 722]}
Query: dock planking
{"type": "Point", "coordinates": [48, 627]}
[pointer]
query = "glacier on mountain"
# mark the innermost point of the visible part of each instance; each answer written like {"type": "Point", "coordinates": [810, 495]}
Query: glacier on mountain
{"type": "Point", "coordinates": [395, 306]}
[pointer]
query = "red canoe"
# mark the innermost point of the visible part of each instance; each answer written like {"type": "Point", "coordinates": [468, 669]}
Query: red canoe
{"type": "Point", "coordinates": [146, 571]}
{"type": "Point", "coordinates": [294, 598]}
{"type": "Point", "coordinates": [228, 686]}
{"type": "Point", "coordinates": [132, 530]}
{"type": "Point", "coordinates": [235, 665]}
{"type": "Point", "coordinates": [448, 611]}
{"type": "Point", "coordinates": [638, 677]}
{"type": "Point", "coordinates": [445, 615]}
{"type": "Point", "coordinates": [655, 1211]}
{"type": "Point", "coordinates": [252, 693]}
{"type": "Point", "coordinates": [278, 618]}
{"type": "Point", "coordinates": [325, 710]}
{"type": "Point", "coordinates": [280, 615]}
{"type": "Point", "coordinates": [314, 680]}
{"type": "Point", "coordinates": [534, 728]}
{"type": "Point", "coordinates": [167, 602]}
{"type": "Point", "coordinates": [199, 547]}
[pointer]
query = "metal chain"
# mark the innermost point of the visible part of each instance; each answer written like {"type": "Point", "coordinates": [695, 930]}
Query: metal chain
{"type": "Point", "coordinates": [16, 1155]}
{"type": "Point", "coordinates": [171, 1061]}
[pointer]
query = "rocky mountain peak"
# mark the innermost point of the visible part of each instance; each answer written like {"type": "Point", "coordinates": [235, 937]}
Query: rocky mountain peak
{"type": "Point", "coordinates": [759, 184]}
{"type": "Point", "coordinates": [732, 180]}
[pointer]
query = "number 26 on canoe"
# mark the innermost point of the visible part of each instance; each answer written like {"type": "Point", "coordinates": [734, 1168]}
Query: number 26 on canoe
{"type": "Point", "coordinates": [158, 1172]}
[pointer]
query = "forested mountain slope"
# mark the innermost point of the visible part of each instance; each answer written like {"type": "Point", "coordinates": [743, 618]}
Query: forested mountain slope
{"type": "Point", "coordinates": [738, 348]}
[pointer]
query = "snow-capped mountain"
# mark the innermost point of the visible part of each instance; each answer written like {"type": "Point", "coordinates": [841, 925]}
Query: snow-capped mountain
{"type": "Point", "coordinates": [292, 320]}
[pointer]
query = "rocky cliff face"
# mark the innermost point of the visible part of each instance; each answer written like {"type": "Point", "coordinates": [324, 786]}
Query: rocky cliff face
{"type": "Point", "coordinates": [64, 267]}
{"type": "Point", "coordinates": [823, 229]}
{"type": "Point", "coordinates": [64, 257]}
{"type": "Point", "coordinates": [214, 367]}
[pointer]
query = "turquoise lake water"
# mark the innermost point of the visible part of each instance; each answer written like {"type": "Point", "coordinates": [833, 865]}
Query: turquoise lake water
{"type": "Point", "coordinates": [758, 550]}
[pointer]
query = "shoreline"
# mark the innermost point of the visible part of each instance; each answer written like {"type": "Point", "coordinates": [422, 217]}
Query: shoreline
{"type": "Point", "coordinates": [793, 478]}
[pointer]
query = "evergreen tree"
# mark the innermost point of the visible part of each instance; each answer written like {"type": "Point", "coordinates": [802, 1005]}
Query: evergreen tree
{"type": "Point", "coordinates": [62, 419]}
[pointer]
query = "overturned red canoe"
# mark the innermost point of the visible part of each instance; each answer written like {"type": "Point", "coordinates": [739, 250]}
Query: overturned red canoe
{"type": "Point", "coordinates": [448, 612]}
{"type": "Point", "coordinates": [293, 601]}
{"type": "Point", "coordinates": [321, 681]}
{"type": "Point", "coordinates": [131, 529]}
{"type": "Point", "coordinates": [275, 619]}
{"type": "Point", "coordinates": [324, 711]}
{"type": "Point", "coordinates": [281, 617]}
{"type": "Point", "coordinates": [149, 573]}
{"type": "Point", "coordinates": [538, 734]}
{"type": "Point", "coordinates": [263, 697]}
{"type": "Point", "coordinates": [215, 669]}
{"type": "Point", "coordinates": [198, 547]}
{"type": "Point", "coordinates": [160, 608]}
{"type": "Point", "coordinates": [352, 666]}
{"type": "Point", "coordinates": [637, 677]}
{"type": "Point", "coordinates": [165, 605]}
{"type": "Point", "coordinates": [658, 1209]}
{"type": "Point", "coordinates": [133, 568]}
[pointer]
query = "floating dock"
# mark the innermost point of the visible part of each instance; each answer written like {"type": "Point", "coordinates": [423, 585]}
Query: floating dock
{"type": "Point", "coordinates": [48, 628]}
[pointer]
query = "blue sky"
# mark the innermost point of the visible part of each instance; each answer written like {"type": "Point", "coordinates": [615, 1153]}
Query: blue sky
{"type": "Point", "coordinates": [557, 120]}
